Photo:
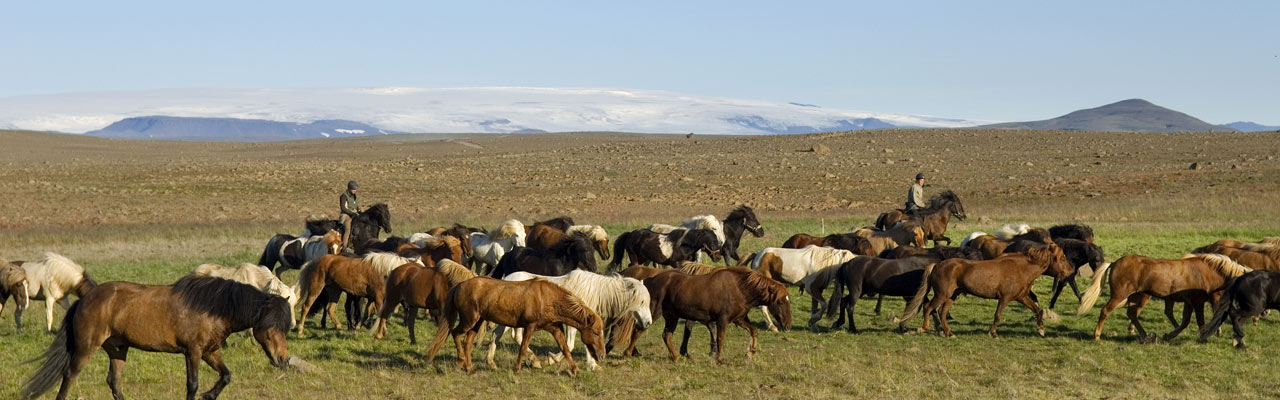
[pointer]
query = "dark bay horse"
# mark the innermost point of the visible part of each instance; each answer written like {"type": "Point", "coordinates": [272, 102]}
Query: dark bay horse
{"type": "Point", "coordinates": [573, 252]}
{"type": "Point", "coordinates": [740, 219]}
{"type": "Point", "coordinates": [532, 305]}
{"type": "Point", "coordinates": [194, 316]}
{"type": "Point", "coordinates": [458, 231]}
{"type": "Point", "coordinates": [1008, 278]}
{"type": "Point", "coordinates": [932, 219]}
{"type": "Point", "coordinates": [366, 226]}
{"type": "Point", "coordinates": [1079, 253]}
{"type": "Point", "coordinates": [1246, 296]}
{"type": "Point", "coordinates": [544, 236]}
{"type": "Point", "coordinates": [1072, 231]}
{"type": "Point", "coordinates": [562, 223]}
{"type": "Point", "coordinates": [843, 241]}
{"type": "Point", "coordinates": [645, 246]}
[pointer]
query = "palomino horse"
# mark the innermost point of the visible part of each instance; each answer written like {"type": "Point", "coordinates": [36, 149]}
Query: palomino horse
{"type": "Point", "coordinates": [488, 248]}
{"type": "Point", "coordinates": [332, 274]}
{"type": "Point", "coordinates": [194, 316]}
{"type": "Point", "coordinates": [13, 282]}
{"type": "Point", "coordinates": [256, 276]}
{"type": "Point", "coordinates": [365, 227]}
{"type": "Point", "coordinates": [812, 268]}
{"type": "Point", "coordinates": [902, 234]}
{"type": "Point", "coordinates": [545, 236]}
{"type": "Point", "coordinates": [292, 252]}
{"type": "Point", "coordinates": [611, 297]}
{"type": "Point", "coordinates": [572, 252]}
{"type": "Point", "coordinates": [721, 297]}
{"type": "Point", "coordinates": [1247, 296]}
{"type": "Point", "coordinates": [843, 241]}
{"type": "Point", "coordinates": [932, 219]}
{"type": "Point", "coordinates": [1008, 278]}
{"type": "Point", "coordinates": [644, 246]}
{"type": "Point", "coordinates": [415, 286]}
{"type": "Point", "coordinates": [52, 279]}
{"type": "Point", "coordinates": [533, 305]}
{"type": "Point", "coordinates": [1194, 279]}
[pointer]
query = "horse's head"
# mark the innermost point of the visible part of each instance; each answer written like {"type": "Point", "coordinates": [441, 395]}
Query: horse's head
{"type": "Point", "coordinates": [749, 220]}
{"type": "Point", "coordinates": [952, 203]}
{"type": "Point", "coordinates": [380, 214]}
{"type": "Point", "coordinates": [332, 242]}
{"type": "Point", "coordinates": [1053, 257]}
{"type": "Point", "coordinates": [578, 249]}
{"type": "Point", "coordinates": [639, 302]}
{"type": "Point", "coordinates": [598, 236]}
{"type": "Point", "coordinates": [464, 238]}
{"type": "Point", "coordinates": [703, 240]}
{"type": "Point", "coordinates": [270, 328]}
{"type": "Point", "coordinates": [593, 335]}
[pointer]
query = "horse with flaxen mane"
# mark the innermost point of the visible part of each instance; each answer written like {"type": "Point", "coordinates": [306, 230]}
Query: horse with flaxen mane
{"type": "Point", "coordinates": [13, 282]}
{"type": "Point", "coordinates": [544, 236]}
{"type": "Point", "coordinates": [488, 248]}
{"type": "Point", "coordinates": [457, 231]}
{"type": "Point", "coordinates": [812, 268]}
{"type": "Point", "coordinates": [292, 252]}
{"type": "Point", "coordinates": [334, 274]}
{"type": "Point", "coordinates": [1008, 278]}
{"type": "Point", "coordinates": [415, 286]}
{"type": "Point", "coordinates": [533, 305]}
{"type": "Point", "coordinates": [1248, 258]}
{"type": "Point", "coordinates": [1247, 296]}
{"type": "Point", "coordinates": [645, 246]}
{"type": "Point", "coordinates": [193, 316]}
{"type": "Point", "coordinates": [1194, 279]}
{"type": "Point", "coordinates": [572, 252]}
{"type": "Point", "coordinates": [256, 276]}
{"type": "Point", "coordinates": [932, 220]}
{"type": "Point", "coordinates": [51, 279]}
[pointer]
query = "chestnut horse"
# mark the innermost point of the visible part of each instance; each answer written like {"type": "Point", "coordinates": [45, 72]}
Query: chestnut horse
{"type": "Point", "coordinates": [414, 287]}
{"type": "Point", "coordinates": [457, 231]}
{"type": "Point", "coordinates": [1194, 279]}
{"type": "Point", "coordinates": [433, 249]}
{"type": "Point", "coordinates": [334, 274]}
{"type": "Point", "coordinates": [902, 234]}
{"type": "Point", "coordinates": [544, 236]}
{"type": "Point", "coordinates": [843, 241]}
{"type": "Point", "coordinates": [932, 219]}
{"type": "Point", "coordinates": [992, 246]}
{"type": "Point", "coordinates": [194, 316]}
{"type": "Point", "coordinates": [1252, 255]}
{"type": "Point", "coordinates": [533, 305]}
{"type": "Point", "coordinates": [1008, 278]}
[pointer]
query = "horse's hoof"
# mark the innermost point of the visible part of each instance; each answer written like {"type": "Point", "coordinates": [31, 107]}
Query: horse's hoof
{"type": "Point", "coordinates": [773, 329]}
{"type": "Point", "coordinates": [1040, 331]}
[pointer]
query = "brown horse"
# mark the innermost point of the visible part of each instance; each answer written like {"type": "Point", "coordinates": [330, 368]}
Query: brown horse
{"type": "Point", "coordinates": [932, 219]}
{"type": "Point", "coordinates": [13, 282]}
{"type": "Point", "coordinates": [904, 234]}
{"type": "Point", "coordinates": [1008, 278]}
{"type": "Point", "coordinates": [355, 276]}
{"type": "Point", "coordinates": [544, 236]}
{"type": "Point", "coordinates": [194, 316]}
{"type": "Point", "coordinates": [437, 248]}
{"type": "Point", "coordinates": [533, 305]}
{"type": "Point", "coordinates": [843, 241]}
{"type": "Point", "coordinates": [561, 223]}
{"type": "Point", "coordinates": [992, 247]}
{"type": "Point", "coordinates": [1193, 279]}
{"type": "Point", "coordinates": [457, 231]}
{"type": "Point", "coordinates": [1251, 259]}
{"type": "Point", "coordinates": [414, 287]}
{"type": "Point", "coordinates": [721, 297]}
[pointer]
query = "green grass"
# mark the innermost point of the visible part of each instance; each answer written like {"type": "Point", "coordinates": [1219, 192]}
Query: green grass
{"type": "Point", "coordinates": [796, 364]}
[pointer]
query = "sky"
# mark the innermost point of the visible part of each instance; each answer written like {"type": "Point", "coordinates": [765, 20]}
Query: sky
{"type": "Point", "coordinates": [1007, 61]}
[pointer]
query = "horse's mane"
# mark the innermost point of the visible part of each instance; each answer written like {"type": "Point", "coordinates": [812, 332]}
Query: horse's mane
{"type": "Point", "coordinates": [566, 245]}
{"type": "Point", "coordinates": [1008, 231]}
{"type": "Point", "coordinates": [768, 289]}
{"type": "Point", "coordinates": [693, 268]}
{"type": "Point", "coordinates": [743, 211]}
{"type": "Point", "coordinates": [508, 229]}
{"type": "Point", "coordinates": [10, 275]}
{"type": "Point", "coordinates": [1260, 247]}
{"type": "Point", "coordinates": [453, 271]}
{"type": "Point", "coordinates": [244, 305]}
{"type": "Point", "coordinates": [571, 304]}
{"type": "Point", "coordinates": [607, 295]}
{"type": "Point", "coordinates": [384, 263]}
{"type": "Point", "coordinates": [593, 232]}
{"type": "Point", "coordinates": [945, 196]}
{"type": "Point", "coordinates": [970, 237]}
{"type": "Point", "coordinates": [1222, 264]}
{"type": "Point", "coordinates": [61, 270]}
{"type": "Point", "coordinates": [1270, 240]}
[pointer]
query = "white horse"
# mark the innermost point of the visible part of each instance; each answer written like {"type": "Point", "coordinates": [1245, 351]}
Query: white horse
{"type": "Point", "coordinates": [52, 279]}
{"type": "Point", "coordinates": [1008, 231]}
{"type": "Point", "coordinates": [812, 268]}
{"type": "Point", "coordinates": [488, 248]}
{"type": "Point", "coordinates": [257, 276]}
{"type": "Point", "coordinates": [708, 222]}
{"type": "Point", "coordinates": [612, 297]}
{"type": "Point", "coordinates": [13, 282]}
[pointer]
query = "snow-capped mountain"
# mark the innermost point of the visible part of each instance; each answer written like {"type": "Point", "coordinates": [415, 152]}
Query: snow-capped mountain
{"type": "Point", "coordinates": [454, 110]}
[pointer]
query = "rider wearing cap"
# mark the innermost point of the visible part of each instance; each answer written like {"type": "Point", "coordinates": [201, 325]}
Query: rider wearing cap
{"type": "Point", "coordinates": [915, 197]}
{"type": "Point", "coordinates": [350, 209]}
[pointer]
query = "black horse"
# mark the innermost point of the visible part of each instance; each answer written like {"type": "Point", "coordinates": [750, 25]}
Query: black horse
{"type": "Point", "coordinates": [562, 223]}
{"type": "Point", "coordinates": [365, 227]}
{"type": "Point", "coordinates": [740, 219]}
{"type": "Point", "coordinates": [644, 247]}
{"type": "Point", "coordinates": [1078, 232]}
{"type": "Point", "coordinates": [1078, 252]}
{"type": "Point", "coordinates": [1247, 296]}
{"type": "Point", "coordinates": [574, 251]}
{"type": "Point", "coordinates": [316, 227]}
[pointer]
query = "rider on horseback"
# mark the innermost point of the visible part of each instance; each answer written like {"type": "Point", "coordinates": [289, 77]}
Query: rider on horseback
{"type": "Point", "coordinates": [915, 197]}
{"type": "Point", "coordinates": [350, 209]}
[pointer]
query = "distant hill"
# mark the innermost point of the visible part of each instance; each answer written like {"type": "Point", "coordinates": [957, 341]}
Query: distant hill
{"type": "Point", "coordinates": [1245, 126]}
{"type": "Point", "coordinates": [1133, 115]}
{"type": "Point", "coordinates": [231, 129]}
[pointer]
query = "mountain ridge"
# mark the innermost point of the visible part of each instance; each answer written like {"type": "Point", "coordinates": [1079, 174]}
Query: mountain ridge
{"type": "Point", "coordinates": [1132, 115]}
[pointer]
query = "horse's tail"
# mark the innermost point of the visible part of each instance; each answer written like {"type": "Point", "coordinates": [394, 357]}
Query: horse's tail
{"type": "Point", "coordinates": [448, 314]}
{"type": "Point", "coordinates": [882, 220]}
{"type": "Point", "coordinates": [1094, 290]}
{"type": "Point", "coordinates": [837, 294]}
{"type": "Point", "coordinates": [914, 306]}
{"type": "Point", "coordinates": [271, 254]}
{"type": "Point", "coordinates": [619, 247]}
{"type": "Point", "coordinates": [305, 275]}
{"type": "Point", "coordinates": [1225, 305]}
{"type": "Point", "coordinates": [56, 359]}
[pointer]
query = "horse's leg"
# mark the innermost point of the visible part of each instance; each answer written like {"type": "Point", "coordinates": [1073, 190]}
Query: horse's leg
{"type": "Point", "coordinates": [768, 319]}
{"type": "Point", "coordinates": [1186, 320]}
{"type": "Point", "coordinates": [1111, 305]}
{"type": "Point", "coordinates": [331, 308]}
{"type": "Point", "coordinates": [17, 317]}
{"type": "Point", "coordinates": [1058, 284]}
{"type": "Point", "coordinates": [564, 348]}
{"type": "Point", "coordinates": [1135, 308]}
{"type": "Point", "coordinates": [684, 343]}
{"type": "Point", "coordinates": [193, 372]}
{"type": "Point", "coordinates": [493, 345]}
{"type": "Point", "coordinates": [306, 310]}
{"type": "Point", "coordinates": [1238, 338]}
{"type": "Point", "coordinates": [1000, 304]}
{"type": "Point", "coordinates": [722, 325]}
{"type": "Point", "coordinates": [524, 345]}
{"type": "Point", "coordinates": [214, 359]}
{"type": "Point", "coordinates": [1035, 309]}
{"type": "Point", "coordinates": [48, 314]}
{"type": "Point", "coordinates": [118, 355]}
{"type": "Point", "coordinates": [667, 332]}
{"type": "Point", "coordinates": [572, 335]}
{"type": "Point", "coordinates": [711, 335]}
{"type": "Point", "coordinates": [879, 300]}
{"type": "Point", "coordinates": [943, 313]}
{"type": "Point", "coordinates": [751, 349]}
{"type": "Point", "coordinates": [1168, 312]}
{"type": "Point", "coordinates": [818, 306]}
{"type": "Point", "coordinates": [410, 319]}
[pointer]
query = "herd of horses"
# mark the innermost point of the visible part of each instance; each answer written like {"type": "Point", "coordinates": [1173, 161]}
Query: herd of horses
{"type": "Point", "coordinates": [522, 278]}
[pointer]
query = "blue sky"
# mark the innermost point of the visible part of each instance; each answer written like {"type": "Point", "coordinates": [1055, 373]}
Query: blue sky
{"type": "Point", "coordinates": [1219, 61]}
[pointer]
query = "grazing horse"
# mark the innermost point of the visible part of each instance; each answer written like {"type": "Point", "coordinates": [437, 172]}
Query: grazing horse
{"type": "Point", "coordinates": [721, 297]}
{"type": "Point", "coordinates": [611, 297]}
{"type": "Point", "coordinates": [1247, 296]}
{"type": "Point", "coordinates": [415, 286]}
{"type": "Point", "coordinates": [843, 241]}
{"type": "Point", "coordinates": [741, 219]}
{"type": "Point", "coordinates": [365, 227]}
{"type": "Point", "coordinates": [13, 282]}
{"type": "Point", "coordinates": [334, 274]}
{"type": "Point", "coordinates": [544, 236]}
{"type": "Point", "coordinates": [194, 316]}
{"type": "Point", "coordinates": [1008, 278]}
{"type": "Point", "coordinates": [51, 279]}
{"type": "Point", "coordinates": [488, 248]}
{"type": "Point", "coordinates": [812, 268]}
{"type": "Point", "coordinates": [1194, 279]}
{"type": "Point", "coordinates": [645, 246]}
{"type": "Point", "coordinates": [533, 305]}
{"type": "Point", "coordinates": [433, 249]}
{"type": "Point", "coordinates": [1077, 232]}
{"type": "Point", "coordinates": [572, 252]}
{"type": "Point", "coordinates": [256, 276]}
{"type": "Point", "coordinates": [932, 220]}
{"type": "Point", "coordinates": [1079, 253]}
{"type": "Point", "coordinates": [902, 234]}
{"type": "Point", "coordinates": [292, 252]}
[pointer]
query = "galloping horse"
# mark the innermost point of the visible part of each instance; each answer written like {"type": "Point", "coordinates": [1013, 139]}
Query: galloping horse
{"type": "Point", "coordinates": [1194, 279]}
{"type": "Point", "coordinates": [932, 219]}
{"type": "Point", "coordinates": [292, 252]}
{"type": "Point", "coordinates": [194, 316]}
{"type": "Point", "coordinates": [51, 279]}
{"type": "Point", "coordinates": [812, 268]}
{"type": "Point", "coordinates": [572, 252]}
{"type": "Point", "coordinates": [533, 305]}
{"type": "Point", "coordinates": [644, 246]}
